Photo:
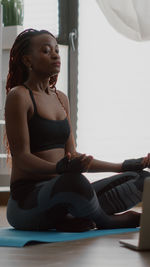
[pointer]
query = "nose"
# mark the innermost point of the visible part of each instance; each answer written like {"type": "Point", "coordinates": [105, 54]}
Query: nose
{"type": "Point", "coordinates": [55, 55]}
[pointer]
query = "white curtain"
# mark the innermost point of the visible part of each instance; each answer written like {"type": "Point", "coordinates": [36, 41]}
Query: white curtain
{"type": "Point", "coordinates": [129, 17]}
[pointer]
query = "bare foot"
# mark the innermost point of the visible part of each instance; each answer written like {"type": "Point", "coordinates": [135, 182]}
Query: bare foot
{"type": "Point", "coordinates": [129, 219]}
{"type": "Point", "coordinates": [72, 224]}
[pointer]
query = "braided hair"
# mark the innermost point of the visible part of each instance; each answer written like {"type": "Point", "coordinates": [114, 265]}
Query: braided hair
{"type": "Point", "coordinates": [18, 72]}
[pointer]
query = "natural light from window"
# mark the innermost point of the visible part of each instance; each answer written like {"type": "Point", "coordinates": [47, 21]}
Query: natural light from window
{"type": "Point", "coordinates": [41, 14]}
{"type": "Point", "coordinates": [114, 90]}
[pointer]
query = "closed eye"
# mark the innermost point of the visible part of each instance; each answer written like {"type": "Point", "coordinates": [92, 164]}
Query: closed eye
{"type": "Point", "coordinates": [57, 51]}
{"type": "Point", "coordinates": [47, 50]}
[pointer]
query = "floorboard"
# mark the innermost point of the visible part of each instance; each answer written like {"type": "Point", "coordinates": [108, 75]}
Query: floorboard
{"type": "Point", "coordinates": [94, 252]}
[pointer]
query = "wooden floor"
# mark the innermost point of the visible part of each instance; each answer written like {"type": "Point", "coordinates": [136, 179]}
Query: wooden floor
{"type": "Point", "coordinates": [95, 252]}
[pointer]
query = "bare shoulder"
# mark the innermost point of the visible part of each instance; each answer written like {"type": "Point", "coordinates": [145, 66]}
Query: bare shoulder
{"type": "Point", "coordinates": [62, 95]}
{"type": "Point", "coordinates": [17, 95]}
{"type": "Point", "coordinates": [17, 91]}
{"type": "Point", "coordinates": [64, 98]}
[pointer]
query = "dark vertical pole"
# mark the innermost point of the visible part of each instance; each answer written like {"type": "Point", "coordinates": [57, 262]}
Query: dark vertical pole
{"type": "Point", "coordinates": [68, 35]}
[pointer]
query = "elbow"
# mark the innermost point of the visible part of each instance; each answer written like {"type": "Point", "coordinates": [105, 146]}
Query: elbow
{"type": "Point", "coordinates": [19, 159]}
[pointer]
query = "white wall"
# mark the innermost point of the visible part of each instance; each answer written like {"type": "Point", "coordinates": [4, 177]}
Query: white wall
{"type": "Point", "coordinates": [114, 90]}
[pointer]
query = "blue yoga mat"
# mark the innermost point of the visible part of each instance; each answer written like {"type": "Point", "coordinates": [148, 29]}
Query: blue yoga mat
{"type": "Point", "coordinates": [9, 237]}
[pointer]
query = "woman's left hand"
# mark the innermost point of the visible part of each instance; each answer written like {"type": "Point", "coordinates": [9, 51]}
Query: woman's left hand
{"type": "Point", "coordinates": [136, 164]}
{"type": "Point", "coordinates": [74, 164]}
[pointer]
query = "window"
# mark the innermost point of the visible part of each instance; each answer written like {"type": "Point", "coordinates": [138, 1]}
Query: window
{"type": "Point", "coordinates": [113, 98]}
{"type": "Point", "coordinates": [41, 14]}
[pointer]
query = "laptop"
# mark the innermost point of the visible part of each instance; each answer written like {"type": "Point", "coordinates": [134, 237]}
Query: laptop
{"type": "Point", "coordinates": [143, 241]}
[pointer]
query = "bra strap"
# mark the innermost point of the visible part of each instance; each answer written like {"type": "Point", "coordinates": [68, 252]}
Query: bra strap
{"type": "Point", "coordinates": [32, 97]}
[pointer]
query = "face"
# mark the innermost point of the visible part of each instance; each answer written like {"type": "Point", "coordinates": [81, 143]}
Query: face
{"type": "Point", "coordinates": [44, 57]}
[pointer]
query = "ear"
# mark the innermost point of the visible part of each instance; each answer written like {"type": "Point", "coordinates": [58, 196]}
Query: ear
{"type": "Point", "coordinates": [26, 59]}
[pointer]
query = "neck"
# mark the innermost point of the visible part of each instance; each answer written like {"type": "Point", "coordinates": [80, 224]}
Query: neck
{"type": "Point", "coordinates": [37, 84]}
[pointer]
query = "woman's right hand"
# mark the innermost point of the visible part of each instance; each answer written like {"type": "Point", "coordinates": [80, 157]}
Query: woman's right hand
{"type": "Point", "coordinates": [77, 165]}
{"type": "Point", "coordinates": [146, 161]}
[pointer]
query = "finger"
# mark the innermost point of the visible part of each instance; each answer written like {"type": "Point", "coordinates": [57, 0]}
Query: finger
{"type": "Point", "coordinates": [87, 161]}
{"type": "Point", "coordinates": [89, 165]}
{"type": "Point", "coordinates": [86, 166]}
{"type": "Point", "coordinates": [68, 155]}
{"type": "Point", "coordinates": [148, 156]}
{"type": "Point", "coordinates": [87, 157]}
{"type": "Point", "coordinates": [145, 162]}
{"type": "Point", "coordinates": [148, 164]}
{"type": "Point", "coordinates": [73, 155]}
{"type": "Point", "coordinates": [82, 157]}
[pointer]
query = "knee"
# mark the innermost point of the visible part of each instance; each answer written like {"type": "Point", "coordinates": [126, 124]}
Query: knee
{"type": "Point", "coordinates": [75, 183]}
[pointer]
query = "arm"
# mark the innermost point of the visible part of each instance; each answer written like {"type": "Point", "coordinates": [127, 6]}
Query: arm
{"type": "Point", "coordinates": [103, 166]}
{"type": "Point", "coordinates": [16, 112]}
{"type": "Point", "coordinates": [94, 165]}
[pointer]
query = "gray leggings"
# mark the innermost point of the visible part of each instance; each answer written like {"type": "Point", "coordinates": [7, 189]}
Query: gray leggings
{"type": "Point", "coordinates": [38, 205]}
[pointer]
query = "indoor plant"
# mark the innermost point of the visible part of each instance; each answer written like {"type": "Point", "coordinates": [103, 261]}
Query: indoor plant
{"type": "Point", "coordinates": [13, 12]}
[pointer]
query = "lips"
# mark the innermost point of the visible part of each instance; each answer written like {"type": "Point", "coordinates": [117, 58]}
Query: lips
{"type": "Point", "coordinates": [57, 63]}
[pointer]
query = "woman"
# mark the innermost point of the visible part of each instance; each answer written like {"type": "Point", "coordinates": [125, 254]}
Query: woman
{"type": "Point", "coordinates": [48, 189]}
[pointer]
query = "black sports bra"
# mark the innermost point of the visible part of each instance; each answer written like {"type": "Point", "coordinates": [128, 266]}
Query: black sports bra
{"type": "Point", "coordinates": [46, 134]}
